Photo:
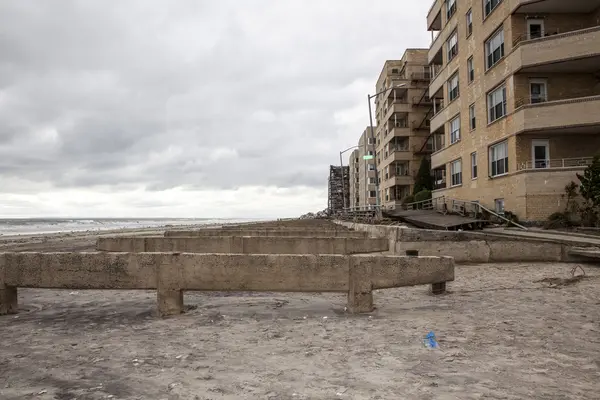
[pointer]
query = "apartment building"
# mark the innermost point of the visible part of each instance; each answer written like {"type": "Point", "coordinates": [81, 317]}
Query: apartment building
{"type": "Point", "coordinates": [516, 92]}
{"type": "Point", "coordinates": [402, 113]}
{"type": "Point", "coordinates": [362, 173]}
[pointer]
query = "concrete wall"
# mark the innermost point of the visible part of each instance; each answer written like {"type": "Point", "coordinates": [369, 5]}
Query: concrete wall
{"type": "Point", "coordinates": [316, 233]}
{"type": "Point", "coordinates": [171, 274]}
{"type": "Point", "coordinates": [469, 247]}
{"type": "Point", "coordinates": [245, 245]}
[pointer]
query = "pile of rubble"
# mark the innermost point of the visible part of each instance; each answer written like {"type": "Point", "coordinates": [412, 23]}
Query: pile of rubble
{"type": "Point", "coordinates": [319, 215]}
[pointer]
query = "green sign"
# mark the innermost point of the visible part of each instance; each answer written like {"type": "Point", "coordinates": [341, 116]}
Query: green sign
{"type": "Point", "coordinates": [367, 157]}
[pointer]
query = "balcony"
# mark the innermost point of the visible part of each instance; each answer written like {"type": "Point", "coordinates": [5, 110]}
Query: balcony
{"type": "Point", "coordinates": [400, 154]}
{"type": "Point", "coordinates": [434, 16]}
{"type": "Point", "coordinates": [555, 6]}
{"type": "Point", "coordinates": [557, 115]}
{"type": "Point", "coordinates": [401, 180]}
{"type": "Point", "coordinates": [559, 164]}
{"type": "Point", "coordinates": [575, 51]}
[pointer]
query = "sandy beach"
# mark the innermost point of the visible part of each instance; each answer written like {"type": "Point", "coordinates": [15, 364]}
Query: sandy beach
{"type": "Point", "coordinates": [503, 333]}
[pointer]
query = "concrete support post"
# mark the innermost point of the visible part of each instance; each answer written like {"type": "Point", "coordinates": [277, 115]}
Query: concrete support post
{"type": "Point", "coordinates": [360, 291]}
{"type": "Point", "coordinates": [170, 301]}
{"type": "Point", "coordinates": [436, 288]}
{"type": "Point", "coordinates": [8, 294]}
{"type": "Point", "coordinates": [8, 300]}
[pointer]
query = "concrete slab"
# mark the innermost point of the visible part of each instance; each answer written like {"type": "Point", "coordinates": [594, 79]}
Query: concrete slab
{"type": "Point", "coordinates": [244, 245]}
{"type": "Point", "coordinates": [266, 232]}
{"type": "Point", "coordinates": [172, 273]}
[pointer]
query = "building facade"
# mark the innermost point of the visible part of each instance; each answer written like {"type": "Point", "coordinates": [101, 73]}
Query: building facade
{"type": "Point", "coordinates": [338, 197]}
{"type": "Point", "coordinates": [362, 173]}
{"type": "Point", "coordinates": [402, 113]}
{"type": "Point", "coordinates": [516, 92]}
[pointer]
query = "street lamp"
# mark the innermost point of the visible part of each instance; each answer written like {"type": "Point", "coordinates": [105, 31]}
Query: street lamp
{"type": "Point", "coordinates": [342, 172]}
{"type": "Point", "coordinates": [369, 97]}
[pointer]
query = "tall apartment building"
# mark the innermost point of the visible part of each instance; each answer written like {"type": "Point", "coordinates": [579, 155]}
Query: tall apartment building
{"type": "Point", "coordinates": [362, 173]}
{"type": "Point", "coordinates": [402, 133]}
{"type": "Point", "coordinates": [516, 91]}
{"type": "Point", "coordinates": [354, 165]}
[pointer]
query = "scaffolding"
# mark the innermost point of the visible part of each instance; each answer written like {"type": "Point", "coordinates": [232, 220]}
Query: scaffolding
{"type": "Point", "coordinates": [339, 189]}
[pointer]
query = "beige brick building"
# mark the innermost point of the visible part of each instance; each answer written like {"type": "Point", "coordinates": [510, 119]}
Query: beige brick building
{"type": "Point", "coordinates": [402, 116]}
{"type": "Point", "coordinates": [516, 92]}
{"type": "Point", "coordinates": [362, 174]}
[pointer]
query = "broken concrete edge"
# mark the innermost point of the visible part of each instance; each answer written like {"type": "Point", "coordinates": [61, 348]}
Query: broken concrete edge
{"type": "Point", "coordinates": [472, 247]}
{"type": "Point", "coordinates": [243, 244]}
{"type": "Point", "coordinates": [263, 233]}
{"type": "Point", "coordinates": [172, 273]}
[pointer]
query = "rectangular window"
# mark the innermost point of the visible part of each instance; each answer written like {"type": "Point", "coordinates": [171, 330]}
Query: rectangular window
{"type": "Point", "coordinates": [489, 6]}
{"type": "Point", "coordinates": [371, 181]}
{"type": "Point", "coordinates": [455, 130]}
{"type": "Point", "coordinates": [499, 159]}
{"type": "Point", "coordinates": [453, 91]}
{"type": "Point", "coordinates": [472, 122]}
{"type": "Point", "coordinates": [537, 90]}
{"type": "Point", "coordinates": [474, 165]}
{"type": "Point", "coordinates": [496, 104]}
{"type": "Point", "coordinates": [371, 140]}
{"type": "Point", "coordinates": [494, 49]}
{"type": "Point", "coordinates": [452, 46]}
{"type": "Point", "coordinates": [371, 167]}
{"type": "Point", "coordinates": [470, 70]}
{"type": "Point", "coordinates": [499, 206]}
{"type": "Point", "coordinates": [372, 193]}
{"type": "Point", "coordinates": [456, 172]}
{"type": "Point", "coordinates": [370, 152]}
{"type": "Point", "coordinates": [450, 8]}
{"type": "Point", "coordinates": [469, 22]}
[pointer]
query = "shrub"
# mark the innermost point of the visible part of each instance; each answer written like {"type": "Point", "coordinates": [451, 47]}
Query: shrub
{"type": "Point", "coordinates": [424, 179]}
{"type": "Point", "coordinates": [423, 195]}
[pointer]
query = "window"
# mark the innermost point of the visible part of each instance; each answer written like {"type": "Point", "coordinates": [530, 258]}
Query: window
{"type": "Point", "coordinates": [494, 49]}
{"type": "Point", "coordinates": [372, 193]}
{"type": "Point", "coordinates": [453, 87]}
{"type": "Point", "coordinates": [469, 22]}
{"type": "Point", "coordinates": [499, 159]}
{"type": "Point", "coordinates": [489, 6]}
{"type": "Point", "coordinates": [474, 165]}
{"type": "Point", "coordinates": [452, 46]}
{"type": "Point", "coordinates": [450, 8]}
{"type": "Point", "coordinates": [499, 206]}
{"type": "Point", "coordinates": [470, 69]}
{"type": "Point", "coordinates": [371, 167]}
{"type": "Point", "coordinates": [535, 28]}
{"type": "Point", "coordinates": [456, 173]}
{"type": "Point", "coordinates": [537, 90]}
{"type": "Point", "coordinates": [472, 122]}
{"type": "Point", "coordinates": [371, 140]}
{"type": "Point", "coordinates": [371, 181]}
{"type": "Point", "coordinates": [370, 152]}
{"type": "Point", "coordinates": [455, 130]}
{"type": "Point", "coordinates": [497, 104]}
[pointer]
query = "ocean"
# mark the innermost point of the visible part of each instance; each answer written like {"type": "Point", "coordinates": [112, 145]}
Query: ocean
{"type": "Point", "coordinates": [29, 226]}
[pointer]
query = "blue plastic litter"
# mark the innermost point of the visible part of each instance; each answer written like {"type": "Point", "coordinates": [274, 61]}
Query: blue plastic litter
{"type": "Point", "coordinates": [430, 340]}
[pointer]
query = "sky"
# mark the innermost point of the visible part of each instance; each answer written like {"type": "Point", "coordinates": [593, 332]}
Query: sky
{"type": "Point", "coordinates": [222, 109]}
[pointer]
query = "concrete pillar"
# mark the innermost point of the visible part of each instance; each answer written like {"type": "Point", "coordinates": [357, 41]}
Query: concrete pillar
{"type": "Point", "coordinates": [436, 288]}
{"type": "Point", "coordinates": [8, 300]}
{"type": "Point", "coordinates": [170, 301]}
{"type": "Point", "coordinates": [360, 291]}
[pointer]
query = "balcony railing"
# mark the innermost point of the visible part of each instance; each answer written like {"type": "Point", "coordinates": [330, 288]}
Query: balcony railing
{"type": "Point", "coordinates": [526, 36]}
{"type": "Point", "coordinates": [421, 76]}
{"type": "Point", "coordinates": [561, 163]}
{"type": "Point", "coordinates": [530, 100]}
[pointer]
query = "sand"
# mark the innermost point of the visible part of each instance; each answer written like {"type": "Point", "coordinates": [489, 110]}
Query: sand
{"type": "Point", "coordinates": [502, 333]}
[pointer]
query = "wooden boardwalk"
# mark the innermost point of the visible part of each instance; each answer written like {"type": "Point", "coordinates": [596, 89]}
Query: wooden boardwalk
{"type": "Point", "coordinates": [431, 219]}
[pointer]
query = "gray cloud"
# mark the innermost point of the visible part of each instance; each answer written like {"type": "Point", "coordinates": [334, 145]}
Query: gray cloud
{"type": "Point", "coordinates": [201, 94]}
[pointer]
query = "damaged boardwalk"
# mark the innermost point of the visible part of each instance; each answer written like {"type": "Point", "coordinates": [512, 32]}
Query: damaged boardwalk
{"type": "Point", "coordinates": [243, 260]}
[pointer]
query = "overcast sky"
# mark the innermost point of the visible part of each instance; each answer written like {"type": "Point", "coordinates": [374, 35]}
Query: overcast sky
{"type": "Point", "coordinates": [195, 108]}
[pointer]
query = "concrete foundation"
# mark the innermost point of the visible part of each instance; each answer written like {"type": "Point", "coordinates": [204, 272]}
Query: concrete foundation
{"type": "Point", "coordinates": [316, 233]}
{"type": "Point", "coordinates": [244, 245]}
{"type": "Point", "coordinates": [172, 273]}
